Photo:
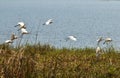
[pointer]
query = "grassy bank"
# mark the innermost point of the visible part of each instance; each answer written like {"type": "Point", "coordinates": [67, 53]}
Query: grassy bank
{"type": "Point", "coordinates": [44, 61]}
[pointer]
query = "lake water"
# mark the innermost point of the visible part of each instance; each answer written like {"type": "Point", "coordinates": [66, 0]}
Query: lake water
{"type": "Point", "coordinates": [85, 19]}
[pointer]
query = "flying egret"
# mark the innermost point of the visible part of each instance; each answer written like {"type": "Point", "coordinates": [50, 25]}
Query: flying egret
{"type": "Point", "coordinates": [107, 40]}
{"type": "Point", "coordinates": [13, 36]}
{"type": "Point", "coordinates": [71, 38]}
{"type": "Point", "coordinates": [48, 22]}
{"type": "Point", "coordinates": [21, 25]}
{"type": "Point", "coordinates": [99, 40]}
{"type": "Point", "coordinates": [8, 41]}
{"type": "Point", "coordinates": [24, 31]}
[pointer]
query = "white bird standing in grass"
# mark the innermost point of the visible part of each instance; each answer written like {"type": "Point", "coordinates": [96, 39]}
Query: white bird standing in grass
{"type": "Point", "coordinates": [107, 40]}
{"type": "Point", "coordinates": [48, 22]}
{"type": "Point", "coordinates": [99, 40]}
{"type": "Point", "coordinates": [98, 51]}
{"type": "Point", "coordinates": [71, 38]}
{"type": "Point", "coordinates": [21, 25]}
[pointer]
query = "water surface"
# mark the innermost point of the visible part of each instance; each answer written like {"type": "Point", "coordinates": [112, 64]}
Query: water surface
{"type": "Point", "coordinates": [85, 19]}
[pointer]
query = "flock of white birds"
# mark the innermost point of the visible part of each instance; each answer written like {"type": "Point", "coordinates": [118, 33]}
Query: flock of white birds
{"type": "Point", "coordinates": [22, 28]}
{"type": "Point", "coordinates": [98, 49]}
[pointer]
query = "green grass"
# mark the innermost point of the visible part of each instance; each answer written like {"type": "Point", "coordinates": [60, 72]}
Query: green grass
{"type": "Point", "coordinates": [45, 61]}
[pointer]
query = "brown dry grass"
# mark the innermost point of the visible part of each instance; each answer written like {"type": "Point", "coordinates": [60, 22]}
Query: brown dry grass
{"type": "Point", "coordinates": [44, 61]}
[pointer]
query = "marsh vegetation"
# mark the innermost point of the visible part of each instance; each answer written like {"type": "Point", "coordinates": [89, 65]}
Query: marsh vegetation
{"type": "Point", "coordinates": [45, 61]}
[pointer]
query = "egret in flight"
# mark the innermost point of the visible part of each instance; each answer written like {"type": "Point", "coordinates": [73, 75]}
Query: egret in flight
{"type": "Point", "coordinates": [107, 40]}
{"type": "Point", "coordinates": [48, 22]}
{"type": "Point", "coordinates": [24, 31]}
{"type": "Point", "coordinates": [13, 36]}
{"type": "Point", "coordinates": [8, 41]}
{"type": "Point", "coordinates": [99, 40]}
{"type": "Point", "coordinates": [73, 38]}
{"type": "Point", "coordinates": [21, 25]}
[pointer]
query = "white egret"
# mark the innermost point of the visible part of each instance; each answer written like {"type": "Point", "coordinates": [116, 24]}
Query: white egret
{"type": "Point", "coordinates": [71, 38]}
{"type": "Point", "coordinates": [21, 25]}
{"type": "Point", "coordinates": [98, 51]}
{"type": "Point", "coordinates": [99, 40]}
{"type": "Point", "coordinates": [107, 40]}
{"type": "Point", "coordinates": [8, 41]}
{"type": "Point", "coordinates": [13, 36]}
{"type": "Point", "coordinates": [48, 22]}
{"type": "Point", "coordinates": [24, 31]}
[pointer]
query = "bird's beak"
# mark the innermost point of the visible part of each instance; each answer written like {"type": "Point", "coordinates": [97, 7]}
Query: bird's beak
{"type": "Point", "coordinates": [44, 24]}
{"type": "Point", "coordinates": [66, 39]}
{"type": "Point", "coordinates": [16, 25]}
